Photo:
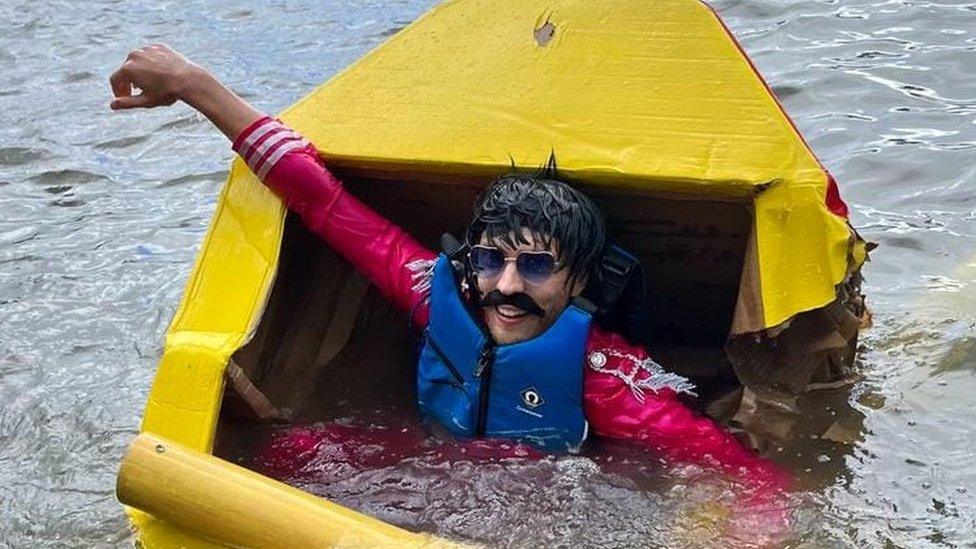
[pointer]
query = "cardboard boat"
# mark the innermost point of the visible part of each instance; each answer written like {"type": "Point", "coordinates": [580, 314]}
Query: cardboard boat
{"type": "Point", "coordinates": [653, 108]}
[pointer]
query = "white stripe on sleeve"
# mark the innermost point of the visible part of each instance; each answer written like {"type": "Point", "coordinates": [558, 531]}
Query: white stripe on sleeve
{"type": "Point", "coordinates": [258, 133]}
{"type": "Point", "coordinates": [258, 156]}
{"type": "Point", "coordinates": [277, 154]}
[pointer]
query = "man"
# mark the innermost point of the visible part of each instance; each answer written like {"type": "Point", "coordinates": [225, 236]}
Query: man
{"type": "Point", "coordinates": [509, 350]}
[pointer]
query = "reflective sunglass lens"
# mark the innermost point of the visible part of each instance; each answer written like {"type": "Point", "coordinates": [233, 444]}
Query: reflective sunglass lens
{"type": "Point", "coordinates": [487, 261]}
{"type": "Point", "coordinates": [535, 267]}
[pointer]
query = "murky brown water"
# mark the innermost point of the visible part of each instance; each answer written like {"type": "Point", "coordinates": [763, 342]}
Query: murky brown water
{"type": "Point", "coordinates": [101, 215]}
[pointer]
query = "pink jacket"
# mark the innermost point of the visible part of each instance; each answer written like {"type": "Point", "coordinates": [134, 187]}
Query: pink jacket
{"type": "Point", "coordinates": [626, 394]}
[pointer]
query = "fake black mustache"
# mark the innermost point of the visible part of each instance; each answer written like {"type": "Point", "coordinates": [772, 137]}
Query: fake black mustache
{"type": "Point", "coordinates": [520, 300]}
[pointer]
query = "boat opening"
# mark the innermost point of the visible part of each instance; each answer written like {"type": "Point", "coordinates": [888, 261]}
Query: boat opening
{"type": "Point", "coordinates": [328, 345]}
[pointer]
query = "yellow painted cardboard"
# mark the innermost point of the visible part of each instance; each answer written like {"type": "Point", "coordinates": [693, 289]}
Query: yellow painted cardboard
{"type": "Point", "coordinates": [648, 96]}
{"type": "Point", "coordinates": [654, 96]}
{"type": "Point", "coordinates": [222, 303]}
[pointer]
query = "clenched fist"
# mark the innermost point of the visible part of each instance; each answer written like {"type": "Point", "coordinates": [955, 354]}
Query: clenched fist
{"type": "Point", "coordinates": [161, 74]}
{"type": "Point", "coordinates": [164, 76]}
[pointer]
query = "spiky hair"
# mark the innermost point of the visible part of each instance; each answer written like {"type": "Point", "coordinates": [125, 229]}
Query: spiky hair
{"type": "Point", "coordinates": [553, 212]}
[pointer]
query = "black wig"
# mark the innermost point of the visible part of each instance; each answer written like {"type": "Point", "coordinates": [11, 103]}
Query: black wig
{"type": "Point", "coordinates": [550, 209]}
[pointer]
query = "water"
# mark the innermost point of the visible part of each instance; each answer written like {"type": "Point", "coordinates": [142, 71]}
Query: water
{"type": "Point", "coordinates": [101, 215]}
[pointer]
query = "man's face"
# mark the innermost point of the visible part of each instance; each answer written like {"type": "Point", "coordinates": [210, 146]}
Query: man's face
{"type": "Point", "coordinates": [510, 323]}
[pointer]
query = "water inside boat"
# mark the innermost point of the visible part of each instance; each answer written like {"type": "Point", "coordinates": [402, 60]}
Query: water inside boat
{"type": "Point", "coordinates": [331, 356]}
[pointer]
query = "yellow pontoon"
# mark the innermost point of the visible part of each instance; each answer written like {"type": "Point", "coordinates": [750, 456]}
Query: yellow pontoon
{"type": "Point", "coordinates": [652, 107]}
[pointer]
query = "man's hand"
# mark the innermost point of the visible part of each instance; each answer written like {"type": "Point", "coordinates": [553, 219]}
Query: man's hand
{"type": "Point", "coordinates": [162, 75]}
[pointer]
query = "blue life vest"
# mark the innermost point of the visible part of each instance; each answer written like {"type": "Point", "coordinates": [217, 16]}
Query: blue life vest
{"type": "Point", "coordinates": [530, 391]}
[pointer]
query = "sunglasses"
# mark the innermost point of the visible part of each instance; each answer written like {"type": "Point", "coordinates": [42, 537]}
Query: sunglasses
{"type": "Point", "coordinates": [535, 267]}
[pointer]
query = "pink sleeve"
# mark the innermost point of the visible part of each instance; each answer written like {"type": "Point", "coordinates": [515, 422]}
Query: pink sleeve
{"type": "Point", "coordinates": [383, 252]}
{"type": "Point", "coordinates": [629, 396]}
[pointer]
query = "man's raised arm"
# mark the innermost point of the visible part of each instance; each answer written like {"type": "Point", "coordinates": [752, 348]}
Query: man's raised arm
{"type": "Point", "coordinates": [289, 165]}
